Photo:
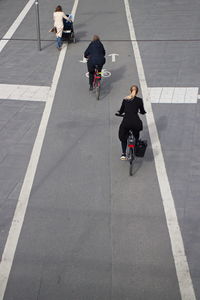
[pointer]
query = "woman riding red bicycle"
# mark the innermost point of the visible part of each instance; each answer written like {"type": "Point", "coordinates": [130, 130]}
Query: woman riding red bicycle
{"type": "Point", "coordinates": [95, 53]}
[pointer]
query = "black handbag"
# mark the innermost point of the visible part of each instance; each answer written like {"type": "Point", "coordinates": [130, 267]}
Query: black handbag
{"type": "Point", "coordinates": [140, 148]}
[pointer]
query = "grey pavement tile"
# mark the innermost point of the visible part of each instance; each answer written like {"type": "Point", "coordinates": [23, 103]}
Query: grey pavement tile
{"type": "Point", "coordinates": [7, 112]}
{"type": "Point", "coordinates": [14, 194]}
{"type": "Point", "coordinates": [7, 208]}
{"type": "Point", "coordinates": [169, 63]}
{"type": "Point", "coordinates": [32, 107]}
{"type": "Point", "coordinates": [3, 151]}
{"type": "Point", "coordinates": [183, 169]}
{"type": "Point", "coordinates": [23, 64]}
{"type": "Point", "coordinates": [6, 187]}
{"type": "Point", "coordinates": [14, 10]}
{"type": "Point", "coordinates": [20, 60]}
{"type": "Point", "coordinates": [14, 131]}
{"type": "Point", "coordinates": [13, 166]}
{"type": "Point", "coordinates": [20, 123]}
{"type": "Point", "coordinates": [2, 123]}
{"type": "Point", "coordinates": [19, 149]}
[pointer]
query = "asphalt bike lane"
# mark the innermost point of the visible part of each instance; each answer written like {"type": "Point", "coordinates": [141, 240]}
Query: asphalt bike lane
{"type": "Point", "coordinates": [91, 231]}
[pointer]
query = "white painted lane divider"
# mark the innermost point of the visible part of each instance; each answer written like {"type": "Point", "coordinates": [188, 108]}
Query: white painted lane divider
{"type": "Point", "coordinates": [24, 92]}
{"type": "Point", "coordinates": [178, 251]}
{"type": "Point", "coordinates": [18, 219]}
{"type": "Point", "coordinates": [15, 25]}
{"type": "Point", "coordinates": [173, 94]}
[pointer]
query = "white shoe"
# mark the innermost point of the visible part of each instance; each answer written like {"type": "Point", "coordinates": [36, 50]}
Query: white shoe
{"type": "Point", "coordinates": [123, 157]}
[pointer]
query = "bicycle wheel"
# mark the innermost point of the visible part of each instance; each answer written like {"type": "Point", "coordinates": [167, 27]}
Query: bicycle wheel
{"type": "Point", "coordinates": [98, 90]}
{"type": "Point", "coordinates": [131, 158]}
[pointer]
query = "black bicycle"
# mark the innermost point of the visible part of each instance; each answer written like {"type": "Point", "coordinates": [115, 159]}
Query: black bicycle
{"type": "Point", "coordinates": [131, 143]}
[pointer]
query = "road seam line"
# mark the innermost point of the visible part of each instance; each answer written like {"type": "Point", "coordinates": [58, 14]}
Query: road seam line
{"type": "Point", "coordinates": [17, 222]}
{"type": "Point", "coordinates": [178, 251]}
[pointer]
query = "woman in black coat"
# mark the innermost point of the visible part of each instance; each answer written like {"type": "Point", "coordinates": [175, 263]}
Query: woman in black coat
{"type": "Point", "coordinates": [131, 106]}
{"type": "Point", "coordinates": [95, 53]}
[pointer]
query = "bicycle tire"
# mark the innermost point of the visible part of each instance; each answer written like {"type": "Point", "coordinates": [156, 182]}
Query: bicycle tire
{"type": "Point", "coordinates": [131, 155]}
{"type": "Point", "coordinates": [98, 90]}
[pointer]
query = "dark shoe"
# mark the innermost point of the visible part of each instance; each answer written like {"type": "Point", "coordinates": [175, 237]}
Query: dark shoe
{"type": "Point", "coordinates": [91, 88]}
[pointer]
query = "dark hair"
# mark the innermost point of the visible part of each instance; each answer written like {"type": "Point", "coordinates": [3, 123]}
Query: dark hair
{"type": "Point", "coordinates": [58, 8]}
{"type": "Point", "coordinates": [96, 38]}
{"type": "Point", "coordinates": [134, 87]}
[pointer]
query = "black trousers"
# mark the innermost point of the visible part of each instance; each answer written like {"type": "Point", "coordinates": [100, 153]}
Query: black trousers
{"type": "Point", "coordinates": [91, 70]}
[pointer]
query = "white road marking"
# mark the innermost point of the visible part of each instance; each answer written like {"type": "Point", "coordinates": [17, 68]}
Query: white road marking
{"type": "Point", "coordinates": [113, 56]}
{"type": "Point", "coordinates": [17, 222]}
{"type": "Point", "coordinates": [166, 95]}
{"type": "Point", "coordinates": [180, 259]}
{"type": "Point", "coordinates": [191, 95]}
{"type": "Point", "coordinates": [173, 94]}
{"type": "Point", "coordinates": [84, 60]}
{"type": "Point", "coordinates": [24, 92]}
{"type": "Point", "coordinates": [104, 73]}
{"type": "Point", "coordinates": [15, 25]}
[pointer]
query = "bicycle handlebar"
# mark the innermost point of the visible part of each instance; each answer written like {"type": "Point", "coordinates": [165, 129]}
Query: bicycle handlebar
{"type": "Point", "coordinates": [119, 115]}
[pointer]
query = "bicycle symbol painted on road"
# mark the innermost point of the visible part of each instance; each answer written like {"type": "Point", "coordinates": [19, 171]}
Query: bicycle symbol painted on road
{"type": "Point", "coordinates": [104, 73]}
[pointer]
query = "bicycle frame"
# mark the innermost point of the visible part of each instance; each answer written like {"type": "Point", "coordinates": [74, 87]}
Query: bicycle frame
{"type": "Point", "coordinates": [97, 82]}
{"type": "Point", "coordinates": [131, 145]}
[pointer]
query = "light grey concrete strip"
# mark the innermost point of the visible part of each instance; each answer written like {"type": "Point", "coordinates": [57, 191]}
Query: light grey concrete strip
{"type": "Point", "coordinates": [24, 92]}
{"type": "Point", "coordinates": [180, 259]}
{"type": "Point", "coordinates": [191, 95]}
{"type": "Point", "coordinates": [173, 94]}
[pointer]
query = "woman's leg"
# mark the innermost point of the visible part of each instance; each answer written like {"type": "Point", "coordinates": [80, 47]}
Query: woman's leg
{"type": "Point", "coordinates": [59, 37]}
{"type": "Point", "coordinates": [124, 146]}
{"type": "Point", "coordinates": [59, 42]}
{"type": "Point", "coordinates": [123, 134]}
{"type": "Point", "coordinates": [91, 72]}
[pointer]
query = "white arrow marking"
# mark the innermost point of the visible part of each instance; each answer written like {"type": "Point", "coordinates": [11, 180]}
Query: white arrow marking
{"type": "Point", "coordinates": [113, 55]}
{"type": "Point", "coordinates": [84, 60]}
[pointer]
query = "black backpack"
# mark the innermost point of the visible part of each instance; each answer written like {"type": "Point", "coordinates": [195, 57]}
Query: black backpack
{"type": "Point", "coordinates": [140, 148]}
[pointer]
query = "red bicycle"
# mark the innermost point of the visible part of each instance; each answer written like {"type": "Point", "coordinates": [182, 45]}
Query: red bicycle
{"type": "Point", "coordinates": [97, 82]}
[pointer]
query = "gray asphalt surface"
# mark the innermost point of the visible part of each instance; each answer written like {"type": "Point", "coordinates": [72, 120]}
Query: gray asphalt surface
{"type": "Point", "coordinates": [91, 231]}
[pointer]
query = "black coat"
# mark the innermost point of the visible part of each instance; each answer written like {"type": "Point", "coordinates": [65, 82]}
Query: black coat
{"type": "Point", "coordinates": [95, 52]}
{"type": "Point", "coordinates": [131, 108]}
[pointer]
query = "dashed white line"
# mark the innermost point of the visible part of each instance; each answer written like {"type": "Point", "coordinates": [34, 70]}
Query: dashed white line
{"type": "Point", "coordinates": [17, 222]}
{"type": "Point", "coordinates": [178, 251]}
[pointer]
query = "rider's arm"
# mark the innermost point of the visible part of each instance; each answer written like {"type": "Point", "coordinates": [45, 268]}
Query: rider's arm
{"type": "Point", "coordinates": [87, 52]}
{"type": "Point", "coordinates": [121, 111]}
{"type": "Point", "coordinates": [103, 50]}
{"type": "Point", "coordinates": [141, 108]}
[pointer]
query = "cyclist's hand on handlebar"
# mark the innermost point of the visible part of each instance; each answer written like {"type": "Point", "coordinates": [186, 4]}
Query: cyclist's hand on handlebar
{"type": "Point", "coordinates": [118, 114]}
